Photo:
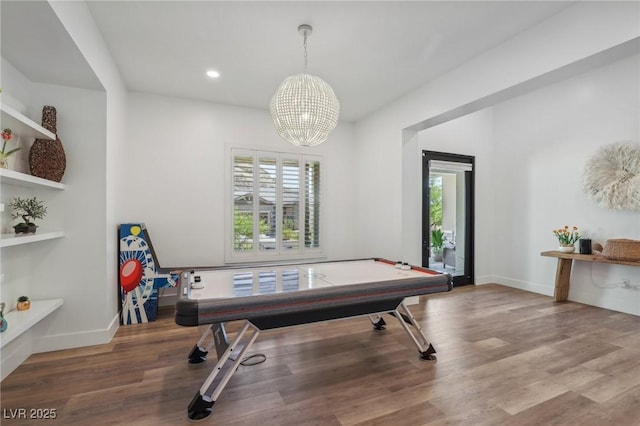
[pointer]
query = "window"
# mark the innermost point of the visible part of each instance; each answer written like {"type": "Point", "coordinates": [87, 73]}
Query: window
{"type": "Point", "coordinates": [275, 205]}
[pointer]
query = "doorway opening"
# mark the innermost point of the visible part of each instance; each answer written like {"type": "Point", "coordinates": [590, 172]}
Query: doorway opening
{"type": "Point", "coordinates": [447, 214]}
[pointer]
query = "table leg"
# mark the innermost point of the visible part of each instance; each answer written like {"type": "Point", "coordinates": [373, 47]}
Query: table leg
{"type": "Point", "coordinates": [377, 321]}
{"type": "Point", "coordinates": [405, 318]}
{"type": "Point", "coordinates": [201, 405]}
{"type": "Point", "coordinates": [563, 277]}
{"type": "Point", "coordinates": [216, 336]}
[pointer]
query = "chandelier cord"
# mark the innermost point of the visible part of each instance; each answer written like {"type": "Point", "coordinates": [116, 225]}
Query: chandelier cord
{"type": "Point", "coordinates": [305, 51]}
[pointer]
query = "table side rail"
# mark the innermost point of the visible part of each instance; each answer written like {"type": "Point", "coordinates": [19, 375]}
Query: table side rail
{"type": "Point", "coordinates": [206, 311]}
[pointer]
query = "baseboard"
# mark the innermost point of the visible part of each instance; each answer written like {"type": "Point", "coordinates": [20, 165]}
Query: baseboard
{"type": "Point", "coordinates": [15, 353]}
{"type": "Point", "coordinates": [58, 342]}
{"type": "Point", "coordinates": [484, 279]}
{"type": "Point", "coordinates": [547, 290]}
{"type": "Point", "coordinates": [607, 299]}
{"type": "Point", "coordinates": [113, 326]}
{"type": "Point", "coordinates": [604, 298]}
{"type": "Point", "coordinates": [22, 347]}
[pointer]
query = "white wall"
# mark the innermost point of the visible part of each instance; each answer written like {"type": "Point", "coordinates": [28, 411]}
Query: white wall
{"type": "Point", "coordinates": [161, 160]}
{"type": "Point", "coordinates": [17, 94]}
{"type": "Point", "coordinates": [542, 143]}
{"type": "Point", "coordinates": [175, 172]}
{"type": "Point", "coordinates": [71, 268]}
{"type": "Point", "coordinates": [471, 135]}
{"type": "Point", "coordinates": [81, 267]}
{"type": "Point", "coordinates": [79, 24]}
{"type": "Point", "coordinates": [561, 40]}
{"type": "Point", "coordinates": [383, 141]}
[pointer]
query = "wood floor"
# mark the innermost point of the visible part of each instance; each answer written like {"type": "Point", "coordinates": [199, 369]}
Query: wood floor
{"type": "Point", "coordinates": [505, 357]}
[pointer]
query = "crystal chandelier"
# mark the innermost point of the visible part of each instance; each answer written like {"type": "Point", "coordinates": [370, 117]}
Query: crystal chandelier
{"type": "Point", "coordinates": [304, 108]}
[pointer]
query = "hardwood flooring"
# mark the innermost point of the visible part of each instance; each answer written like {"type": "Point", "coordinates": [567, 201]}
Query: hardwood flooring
{"type": "Point", "coordinates": [505, 357]}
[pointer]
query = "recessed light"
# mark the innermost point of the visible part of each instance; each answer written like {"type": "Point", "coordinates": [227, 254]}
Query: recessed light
{"type": "Point", "coordinates": [213, 74]}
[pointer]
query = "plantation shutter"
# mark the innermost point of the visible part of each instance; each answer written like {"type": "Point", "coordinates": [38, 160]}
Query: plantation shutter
{"type": "Point", "coordinates": [276, 205]}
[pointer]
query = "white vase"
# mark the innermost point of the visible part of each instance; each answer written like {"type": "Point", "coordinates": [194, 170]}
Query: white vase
{"type": "Point", "coordinates": [566, 249]}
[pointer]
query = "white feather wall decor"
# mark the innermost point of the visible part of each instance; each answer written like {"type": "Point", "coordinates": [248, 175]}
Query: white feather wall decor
{"type": "Point", "coordinates": [612, 176]}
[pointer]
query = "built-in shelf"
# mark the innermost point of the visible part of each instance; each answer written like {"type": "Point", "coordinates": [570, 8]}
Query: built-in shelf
{"type": "Point", "coordinates": [22, 125]}
{"type": "Point", "coordinates": [12, 177]}
{"type": "Point", "coordinates": [21, 321]}
{"type": "Point", "coordinates": [8, 240]}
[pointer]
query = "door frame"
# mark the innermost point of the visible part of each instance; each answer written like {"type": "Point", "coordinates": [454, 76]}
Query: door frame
{"type": "Point", "coordinates": [469, 239]}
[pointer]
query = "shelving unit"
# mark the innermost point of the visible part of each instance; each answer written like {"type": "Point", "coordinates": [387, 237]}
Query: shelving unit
{"type": "Point", "coordinates": [21, 321]}
{"type": "Point", "coordinates": [23, 125]}
{"type": "Point", "coordinates": [12, 177]}
{"type": "Point", "coordinates": [35, 265]}
{"type": "Point", "coordinates": [8, 240]}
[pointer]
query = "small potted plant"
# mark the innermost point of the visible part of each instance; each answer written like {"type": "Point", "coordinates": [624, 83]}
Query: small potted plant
{"type": "Point", "coordinates": [23, 303]}
{"type": "Point", "coordinates": [567, 238]}
{"type": "Point", "coordinates": [437, 243]}
{"type": "Point", "coordinates": [7, 135]}
{"type": "Point", "coordinates": [29, 209]}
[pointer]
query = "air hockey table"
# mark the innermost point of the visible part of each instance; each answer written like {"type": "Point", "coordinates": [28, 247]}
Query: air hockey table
{"type": "Point", "coordinates": [274, 296]}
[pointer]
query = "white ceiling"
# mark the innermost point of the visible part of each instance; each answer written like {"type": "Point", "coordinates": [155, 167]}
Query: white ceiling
{"type": "Point", "coordinates": [371, 53]}
{"type": "Point", "coordinates": [35, 42]}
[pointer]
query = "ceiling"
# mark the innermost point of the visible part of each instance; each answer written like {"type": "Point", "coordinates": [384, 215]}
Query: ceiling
{"type": "Point", "coordinates": [35, 42]}
{"type": "Point", "coordinates": [371, 53]}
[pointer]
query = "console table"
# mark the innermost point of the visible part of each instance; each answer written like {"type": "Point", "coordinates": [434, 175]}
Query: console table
{"type": "Point", "coordinates": [563, 271]}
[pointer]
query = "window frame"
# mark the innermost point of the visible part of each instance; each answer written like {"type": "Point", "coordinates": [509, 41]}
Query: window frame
{"type": "Point", "coordinates": [233, 256]}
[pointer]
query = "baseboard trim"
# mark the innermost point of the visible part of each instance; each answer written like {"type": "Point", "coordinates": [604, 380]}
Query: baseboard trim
{"type": "Point", "coordinates": [15, 353]}
{"type": "Point", "coordinates": [604, 298]}
{"type": "Point", "coordinates": [58, 342]}
{"type": "Point", "coordinates": [547, 290]}
{"type": "Point", "coordinates": [608, 300]}
{"type": "Point", "coordinates": [484, 279]}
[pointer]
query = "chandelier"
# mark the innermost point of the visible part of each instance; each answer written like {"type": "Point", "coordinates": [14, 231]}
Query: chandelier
{"type": "Point", "coordinates": [304, 108]}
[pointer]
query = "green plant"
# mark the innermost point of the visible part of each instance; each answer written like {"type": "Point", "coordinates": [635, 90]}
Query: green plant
{"type": "Point", "coordinates": [288, 230]}
{"type": "Point", "coordinates": [565, 236]}
{"type": "Point", "coordinates": [435, 197]}
{"type": "Point", "coordinates": [23, 298]}
{"type": "Point", "coordinates": [29, 209]}
{"type": "Point", "coordinates": [437, 239]}
{"type": "Point", "coordinates": [243, 230]}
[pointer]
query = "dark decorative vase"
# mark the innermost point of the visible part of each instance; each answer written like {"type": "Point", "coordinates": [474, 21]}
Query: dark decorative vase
{"type": "Point", "coordinates": [46, 158]}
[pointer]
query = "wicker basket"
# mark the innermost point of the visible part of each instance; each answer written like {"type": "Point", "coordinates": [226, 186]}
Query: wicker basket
{"type": "Point", "coordinates": [622, 249]}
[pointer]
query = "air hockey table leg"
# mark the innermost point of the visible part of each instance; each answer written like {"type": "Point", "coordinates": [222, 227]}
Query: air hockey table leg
{"type": "Point", "coordinates": [217, 336]}
{"type": "Point", "coordinates": [201, 405]}
{"type": "Point", "coordinates": [197, 355]}
{"type": "Point", "coordinates": [378, 322]}
{"type": "Point", "coordinates": [406, 318]}
{"type": "Point", "coordinates": [200, 350]}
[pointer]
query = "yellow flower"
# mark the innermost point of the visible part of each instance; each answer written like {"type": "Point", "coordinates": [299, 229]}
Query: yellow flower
{"type": "Point", "coordinates": [567, 236]}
